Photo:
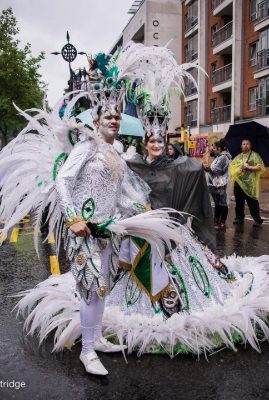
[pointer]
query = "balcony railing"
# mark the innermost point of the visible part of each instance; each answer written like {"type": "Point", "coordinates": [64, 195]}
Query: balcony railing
{"type": "Point", "coordinates": [263, 59]}
{"type": "Point", "coordinates": [223, 34]}
{"type": "Point", "coordinates": [262, 10]}
{"type": "Point", "coordinates": [221, 75]}
{"type": "Point", "coordinates": [262, 109]}
{"type": "Point", "coordinates": [191, 55]}
{"type": "Point", "coordinates": [190, 120]}
{"type": "Point", "coordinates": [216, 3]}
{"type": "Point", "coordinates": [190, 90]}
{"type": "Point", "coordinates": [221, 114]}
{"type": "Point", "coordinates": [190, 22]}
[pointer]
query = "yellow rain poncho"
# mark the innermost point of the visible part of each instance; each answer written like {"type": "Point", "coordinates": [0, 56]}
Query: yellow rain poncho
{"type": "Point", "coordinates": [249, 181]}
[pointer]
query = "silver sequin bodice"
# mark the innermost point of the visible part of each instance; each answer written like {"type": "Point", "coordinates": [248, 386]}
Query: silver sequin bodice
{"type": "Point", "coordinates": [93, 170]}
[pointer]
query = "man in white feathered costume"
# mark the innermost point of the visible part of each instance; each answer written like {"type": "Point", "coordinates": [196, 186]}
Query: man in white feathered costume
{"type": "Point", "coordinates": [87, 188]}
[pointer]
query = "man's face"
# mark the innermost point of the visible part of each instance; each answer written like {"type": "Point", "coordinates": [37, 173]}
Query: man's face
{"type": "Point", "coordinates": [246, 146]}
{"type": "Point", "coordinates": [109, 123]}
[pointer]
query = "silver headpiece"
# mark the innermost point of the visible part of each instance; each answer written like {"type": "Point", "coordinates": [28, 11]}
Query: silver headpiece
{"type": "Point", "coordinates": [104, 89]}
{"type": "Point", "coordinates": [154, 122]}
{"type": "Point", "coordinates": [107, 98]}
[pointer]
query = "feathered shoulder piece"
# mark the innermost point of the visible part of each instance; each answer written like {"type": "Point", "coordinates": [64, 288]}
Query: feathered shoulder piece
{"type": "Point", "coordinates": [31, 162]}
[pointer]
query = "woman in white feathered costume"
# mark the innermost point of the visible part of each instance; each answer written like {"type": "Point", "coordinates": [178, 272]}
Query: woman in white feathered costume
{"type": "Point", "coordinates": [152, 309]}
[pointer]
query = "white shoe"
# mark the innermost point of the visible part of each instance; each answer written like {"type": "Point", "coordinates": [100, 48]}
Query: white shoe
{"type": "Point", "coordinates": [107, 347]}
{"type": "Point", "coordinates": [93, 364]}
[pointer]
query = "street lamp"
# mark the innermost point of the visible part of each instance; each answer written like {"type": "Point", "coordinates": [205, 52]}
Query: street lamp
{"type": "Point", "coordinates": [69, 54]}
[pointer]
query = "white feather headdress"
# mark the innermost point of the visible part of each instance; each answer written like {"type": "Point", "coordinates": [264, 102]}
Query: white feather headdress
{"type": "Point", "coordinates": [156, 70]}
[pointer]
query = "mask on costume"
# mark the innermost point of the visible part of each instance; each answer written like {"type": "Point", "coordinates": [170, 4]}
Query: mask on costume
{"type": "Point", "coordinates": [170, 298]}
{"type": "Point", "coordinates": [173, 299]}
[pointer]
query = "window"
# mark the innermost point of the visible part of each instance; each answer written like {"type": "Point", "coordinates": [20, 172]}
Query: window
{"type": "Point", "coordinates": [252, 54]}
{"type": "Point", "coordinates": [253, 10]}
{"type": "Point", "coordinates": [191, 18]}
{"type": "Point", "coordinates": [191, 113]}
{"type": "Point", "coordinates": [193, 10]}
{"type": "Point", "coordinates": [263, 43]}
{"type": "Point", "coordinates": [213, 104]}
{"type": "Point", "coordinates": [263, 97]}
{"type": "Point", "coordinates": [214, 29]}
{"type": "Point", "coordinates": [252, 96]}
{"type": "Point", "coordinates": [192, 49]}
{"type": "Point", "coordinates": [213, 69]}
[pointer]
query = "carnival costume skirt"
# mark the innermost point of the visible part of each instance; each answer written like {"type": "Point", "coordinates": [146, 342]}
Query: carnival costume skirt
{"type": "Point", "coordinates": [207, 303]}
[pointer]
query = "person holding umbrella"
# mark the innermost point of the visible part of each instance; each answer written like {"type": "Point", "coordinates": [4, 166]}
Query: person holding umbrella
{"type": "Point", "coordinates": [246, 169]}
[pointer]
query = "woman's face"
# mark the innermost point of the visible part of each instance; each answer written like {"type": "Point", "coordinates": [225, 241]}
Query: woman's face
{"type": "Point", "coordinates": [154, 147]}
{"type": "Point", "coordinates": [217, 150]}
{"type": "Point", "coordinates": [170, 150]}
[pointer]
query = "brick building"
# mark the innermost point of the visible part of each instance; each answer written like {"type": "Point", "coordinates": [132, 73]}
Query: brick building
{"type": "Point", "coordinates": [230, 40]}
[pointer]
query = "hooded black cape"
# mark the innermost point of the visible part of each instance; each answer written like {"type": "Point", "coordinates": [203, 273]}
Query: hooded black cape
{"type": "Point", "coordinates": [179, 184]}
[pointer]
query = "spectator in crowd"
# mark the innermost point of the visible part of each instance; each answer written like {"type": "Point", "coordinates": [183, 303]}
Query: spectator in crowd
{"type": "Point", "coordinates": [174, 150]}
{"type": "Point", "coordinates": [246, 169]}
{"type": "Point", "coordinates": [218, 178]}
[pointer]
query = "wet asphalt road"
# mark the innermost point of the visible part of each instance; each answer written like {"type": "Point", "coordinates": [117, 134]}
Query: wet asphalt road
{"type": "Point", "coordinates": [223, 376]}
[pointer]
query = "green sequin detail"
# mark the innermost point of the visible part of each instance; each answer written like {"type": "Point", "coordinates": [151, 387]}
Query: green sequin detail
{"type": "Point", "coordinates": [88, 209]}
{"type": "Point", "coordinates": [200, 276]}
{"type": "Point", "coordinates": [139, 206]}
{"type": "Point", "coordinates": [70, 213]}
{"type": "Point", "coordinates": [60, 160]}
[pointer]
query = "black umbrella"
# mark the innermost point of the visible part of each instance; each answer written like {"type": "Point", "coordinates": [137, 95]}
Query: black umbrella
{"type": "Point", "coordinates": [257, 134]}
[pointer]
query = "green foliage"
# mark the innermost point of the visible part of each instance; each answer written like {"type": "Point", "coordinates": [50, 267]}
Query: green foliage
{"type": "Point", "coordinates": [19, 77]}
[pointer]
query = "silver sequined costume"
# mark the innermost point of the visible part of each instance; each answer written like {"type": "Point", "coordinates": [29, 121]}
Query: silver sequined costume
{"type": "Point", "coordinates": [93, 171]}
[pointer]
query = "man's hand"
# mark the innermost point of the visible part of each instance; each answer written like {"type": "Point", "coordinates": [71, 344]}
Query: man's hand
{"type": "Point", "coordinates": [247, 167]}
{"type": "Point", "coordinates": [80, 229]}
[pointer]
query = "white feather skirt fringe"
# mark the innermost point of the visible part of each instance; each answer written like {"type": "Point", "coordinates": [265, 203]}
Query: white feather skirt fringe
{"type": "Point", "coordinates": [54, 305]}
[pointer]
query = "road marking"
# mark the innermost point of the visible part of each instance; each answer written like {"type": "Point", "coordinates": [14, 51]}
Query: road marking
{"type": "Point", "coordinates": [14, 235]}
{"type": "Point", "coordinates": [54, 265]}
{"type": "Point", "coordinates": [51, 239]}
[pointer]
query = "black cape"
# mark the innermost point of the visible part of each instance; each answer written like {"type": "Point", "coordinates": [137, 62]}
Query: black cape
{"type": "Point", "coordinates": [180, 184]}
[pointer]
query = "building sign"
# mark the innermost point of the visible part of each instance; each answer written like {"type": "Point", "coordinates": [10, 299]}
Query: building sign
{"type": "Point", "coordinates": [156, 23]}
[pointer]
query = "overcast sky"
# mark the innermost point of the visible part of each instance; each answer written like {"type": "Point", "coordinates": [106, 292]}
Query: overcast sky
{"type": "Point", "coordinates": [93, 25]}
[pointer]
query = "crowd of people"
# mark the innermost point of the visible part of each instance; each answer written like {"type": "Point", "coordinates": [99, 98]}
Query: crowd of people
{"type": "Point", "coordinates": [243, 172]}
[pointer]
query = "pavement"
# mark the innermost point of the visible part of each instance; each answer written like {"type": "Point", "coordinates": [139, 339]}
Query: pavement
{"type": "Point", "coordinates": [224, 375]}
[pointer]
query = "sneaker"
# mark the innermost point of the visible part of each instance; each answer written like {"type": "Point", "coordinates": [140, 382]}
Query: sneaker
{"type": "Point", "coordinates": [93, 364]}
{"type": "Point", "coordinates": [258, 222]}
{"type": "Point", "coordinates": [105, 346]}
{"type": "Point", "coordinates": [222, 226]}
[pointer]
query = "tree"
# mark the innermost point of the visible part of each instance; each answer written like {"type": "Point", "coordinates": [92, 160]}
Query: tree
{"type": "Point", "coordinates": [19, 77]}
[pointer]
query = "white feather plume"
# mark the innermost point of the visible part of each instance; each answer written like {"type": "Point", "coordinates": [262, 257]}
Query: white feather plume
{"type": "Point", "coordinates": [26, 164]}
{"type": "Point", "coordinates": [156, 68]}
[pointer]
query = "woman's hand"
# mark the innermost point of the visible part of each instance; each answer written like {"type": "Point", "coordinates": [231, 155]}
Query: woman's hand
{"type": "Point", "coordinates": [80, 229]}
